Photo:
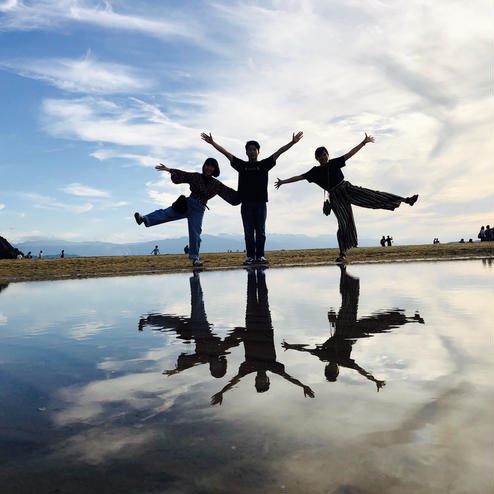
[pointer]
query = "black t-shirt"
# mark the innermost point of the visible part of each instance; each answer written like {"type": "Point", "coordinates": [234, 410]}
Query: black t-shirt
{"type": "Point", "coordinates": [253, 178]}
{"type": "Point", "coordinates": [328, 175]}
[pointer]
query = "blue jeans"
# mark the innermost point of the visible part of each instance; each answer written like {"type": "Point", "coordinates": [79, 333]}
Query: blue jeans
{"type": "Point", "coordinates": [254, 220]}
{"type": "Point", "coordinates": [194, 215]}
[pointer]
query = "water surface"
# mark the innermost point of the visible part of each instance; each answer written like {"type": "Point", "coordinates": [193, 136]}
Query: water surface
{"type": "Point", "coordinates": [374, 378]}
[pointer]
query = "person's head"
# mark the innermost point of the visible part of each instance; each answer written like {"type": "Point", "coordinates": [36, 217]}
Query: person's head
{"type": "Point", "coordinates": [252, 149]}
{"type": "Point", "coordinates": [210, 168]}
{"type": "Point", "coordinates": [262, 382]}
{"type": "Point", "coordinates": [217, 366]}
{"type": "Point", "coordinates": [331, 371]}
{"type": "Point", "coordinates": [321, 155]}
{"type": "Point", "coordinates": [155, 246]}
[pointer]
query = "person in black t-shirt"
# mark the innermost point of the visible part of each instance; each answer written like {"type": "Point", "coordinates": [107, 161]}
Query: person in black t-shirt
{"type": "Point", "coordinates": [343, 194]}
{"type": "Point", "coordinates": [253, 192]}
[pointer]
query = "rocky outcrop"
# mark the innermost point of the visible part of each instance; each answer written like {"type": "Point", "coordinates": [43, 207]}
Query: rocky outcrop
{"type": "Point", "coordinates": [7, 251]}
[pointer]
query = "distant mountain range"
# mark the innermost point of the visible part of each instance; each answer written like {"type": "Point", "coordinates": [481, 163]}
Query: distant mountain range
{"type": "Point", "coordinates": [210, 243]}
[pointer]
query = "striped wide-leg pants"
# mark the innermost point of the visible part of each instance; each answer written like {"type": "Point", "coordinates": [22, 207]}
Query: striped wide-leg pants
{"type": "Point", "coordinates": [343, 196]}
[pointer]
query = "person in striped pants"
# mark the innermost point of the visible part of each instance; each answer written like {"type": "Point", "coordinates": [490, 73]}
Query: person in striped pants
{"type": "Point", "coordinates": [343, 194]}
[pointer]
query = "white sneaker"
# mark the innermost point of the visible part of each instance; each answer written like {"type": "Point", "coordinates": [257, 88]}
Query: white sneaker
{"type": "Point", "coordinates": [248, 261]}
{"type": "Point", "coordinates": [262, 260]}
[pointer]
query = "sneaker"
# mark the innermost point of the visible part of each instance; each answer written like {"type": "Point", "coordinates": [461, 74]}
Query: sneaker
{"type": "Point", "coordinates": [196, 263]}
{"type": "Point", "coordinates": [340, 259]}
{"type": "Point", "coordinates": [262, 260]}
{"type": "Point", "coordinates": [139, 218]}
{"type": "Point", "coordinates": [412, 200]}
{"type": "Point", "coordinates": [248, 261]}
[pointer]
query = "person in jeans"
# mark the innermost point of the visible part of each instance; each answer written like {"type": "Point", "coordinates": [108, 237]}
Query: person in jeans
{"type": "Point", "coordinates": [253, 192]}
{"type": "Point", "coordinates": [203, 186]}
{"type": "Point", "coordinates": [343, 194]}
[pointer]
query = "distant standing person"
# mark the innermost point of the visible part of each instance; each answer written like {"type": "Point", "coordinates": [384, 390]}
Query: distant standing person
{"type": "Point", "coordinates": [29, 255]}
{"type": "Point", "coordinates": [203, 186]}
{"type": "Point", "coordinates": [481, 234]}
{"type": "Point", "coordinates": [253, 192]}
{"type": "Point", "coordinates": [186, 249]}
{"type": "Point", "coordinates": [383, 241]}
{"type": "Point", "coordinates": [155, 251]}
{"type": "Point", "coordinates": [343, 194]}
{"type": "Point", "coordinates": [40, 255]}
{"type": "Point", "coordinates": [389, 241]}
{"type": "Point", "coordinates": [62, 254]}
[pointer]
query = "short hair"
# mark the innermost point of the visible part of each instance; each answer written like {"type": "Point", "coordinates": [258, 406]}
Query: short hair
{"type": "Point", "coordinates": [319, 151]}
{"type": "Point", "coordinates": [252, 143]}
{"type": "Point", "coordinates": [212, 162]}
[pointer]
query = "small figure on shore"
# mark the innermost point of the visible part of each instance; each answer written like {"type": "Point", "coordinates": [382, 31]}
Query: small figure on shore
{"type": "Point", "coordinates": [435, 241]}
{"type": "Point", "coordinates": [40, 255]}
{"type": "Point", "coordinates": [155, 251]}
{"type": "Point", "coordinates": [253, 192]}
{"type": "Point", "coordinates": [389, 241]}
{"type": "Point", "coordinates": [186, 249]}
{"type": "Point", "coordinates": [481, 234]}
{"type": "Point", "coordinates": [62, 254]}
{"type": "Point", "coordinates": [462, 241]}
{"type": "Point", "coordinates": [29, 255]}
{"type": "Point", "coordinates": [203, 186]}
{"type": "Point", "coordinates": [489, 234]}
{"type": "Point", "coordinates": [343, 194]}
{"type": "Point", "coordinates": [383, 241]}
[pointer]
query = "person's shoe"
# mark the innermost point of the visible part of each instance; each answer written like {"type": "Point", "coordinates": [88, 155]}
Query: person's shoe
{"type": "Point", "coordinates": [248, 261]}
{"type": "Point", "coordinates": [262, 260]}
{"type": "Point", "coordinates": [196, 263]}
{"type": "Point", "coordinates": [340, 259]}
{"type": "Point", "coordinates": [139, 218]}
{"type": "Point", "coordinates": [412, 200]}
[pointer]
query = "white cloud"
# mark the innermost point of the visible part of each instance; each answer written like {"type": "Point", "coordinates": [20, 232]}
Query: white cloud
{"type": "Point", "coordinates": [2, 206]}
{"type": "Point", "coordinates": [77, 189]}
{"type": "Point", "coordinates": [46, 202]}
{"type": "Point", "coordinates": [86, 75]}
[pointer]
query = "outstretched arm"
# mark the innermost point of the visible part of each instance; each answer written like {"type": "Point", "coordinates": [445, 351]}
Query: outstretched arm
{"type": "Point", "coordinates": [209, 139]}
{"type": "Point", "coordinates": [357, 148]}
{"type": "Point", "coordinates": [163, 168]}
{"type": "Point", "coordinates": [217, 398]}
{"type": "Point", "coordinates": [307, 390]}
{"type": "Point", "coordinates": [280, 182]}
{"type": "Point", "coordinates": [295, 138]}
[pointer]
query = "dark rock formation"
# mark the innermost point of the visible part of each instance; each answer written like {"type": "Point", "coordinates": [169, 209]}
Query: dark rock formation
{"type": "Point", "coordinates": [7, 251]}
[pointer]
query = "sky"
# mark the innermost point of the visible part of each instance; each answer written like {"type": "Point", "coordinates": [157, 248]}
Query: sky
{"type": "Point", "coordinates": [94, 94]}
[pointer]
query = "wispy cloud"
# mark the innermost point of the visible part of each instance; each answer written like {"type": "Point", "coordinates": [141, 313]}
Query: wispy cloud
{"type": "Point", "coordinates": [2, 206]}
{"type": "Point", "coordinates": [46, 202]}
{"type": "Point", "coordinates": [85, 75]}
{"type": "Point", "coordinates": [77, 189]}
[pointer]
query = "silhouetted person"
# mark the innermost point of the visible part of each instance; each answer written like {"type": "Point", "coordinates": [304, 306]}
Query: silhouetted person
{"type": "Point", "coordinates": [389, 240]}
{"type": "Point", "coordinates": [29, 255]}
{"type": "Point", "coordinates": [209, 348]}
{"type": "Point", "coordinates": [481, 234]}
{"type": "Point", "coordinates": [336, 350]}
{"type": "Point", "coordinates": [383, 241]}
{"type": "Point", "coordinates": [155, 251]}
{"type": "Point", "coordinates": [258, 338]}
{"type": "Point", "coordinates": [40, 255]}
{"type": "Point", "coordinates": [62, 254]}
{"type": "Point", "coordinates": [186, 249]}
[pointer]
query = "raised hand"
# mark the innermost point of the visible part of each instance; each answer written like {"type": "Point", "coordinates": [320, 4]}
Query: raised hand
{"type": "Point", "coordinates": [380, 384]}
{"type": "Point", "coordinates": [368, 139]}
{"type": "Point", "coordinates": [296, 137]}
{"type": "Point", "coordinates": [217, 399]}
{"type": "Point", "coordinates": [207, 137]}
{"type": "Point", "coordinates": [308, 392]}
{"type": "Point", "coordinates": [162, 167]}
{"type": "Point", "coordinates": [278, 183]}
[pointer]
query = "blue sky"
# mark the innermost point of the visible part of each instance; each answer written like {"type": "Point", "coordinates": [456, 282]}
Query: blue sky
{"type": "Point", "coordinates": [94, 94]}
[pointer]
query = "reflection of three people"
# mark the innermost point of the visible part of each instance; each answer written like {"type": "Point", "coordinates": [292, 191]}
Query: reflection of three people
{"type": "Point", "coordinates": [258, 336]}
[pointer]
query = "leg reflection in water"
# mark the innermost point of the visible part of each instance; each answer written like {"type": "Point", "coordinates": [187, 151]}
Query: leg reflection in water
{"type": "Point", "coordinates": [209, 348]}
{"type": "Point", "coordinates": [258, 339]}
{"type": "Point", "coordinates": [346, 329]}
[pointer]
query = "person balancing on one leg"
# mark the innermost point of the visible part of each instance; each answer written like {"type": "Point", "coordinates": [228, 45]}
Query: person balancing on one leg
{"type": "Point", "coordinates": [253, 192]}
{"type": "Point", "coordinates": [343, 194]}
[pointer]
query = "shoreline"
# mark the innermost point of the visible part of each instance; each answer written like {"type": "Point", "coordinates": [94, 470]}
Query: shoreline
{"type": "Point", "coordinates": [54, 269]}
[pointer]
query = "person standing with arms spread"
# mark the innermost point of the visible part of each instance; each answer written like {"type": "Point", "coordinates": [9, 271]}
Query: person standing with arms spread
{"type": "Point", "coordinates": [253, 192]}
{"type": "Point", "coordinates": [343, 194]}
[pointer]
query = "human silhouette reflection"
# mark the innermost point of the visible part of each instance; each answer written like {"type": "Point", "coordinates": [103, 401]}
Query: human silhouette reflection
{"type": "Point", "coordinates": [346, 329]}
{"type": "Point", "coordinates": [3, 286]}
{"type": "Point", "coordinates": [209, 347]}
{"type": "Point", "coordinates": [258, 339]}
